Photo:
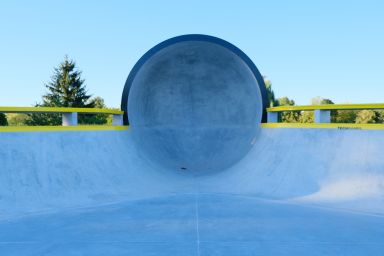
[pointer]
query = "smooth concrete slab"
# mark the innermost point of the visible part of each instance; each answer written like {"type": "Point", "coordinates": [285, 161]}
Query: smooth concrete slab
{"type": "Point", "coordinates": [201, 224]}
{"type": "Point", "coordinates": [298, 191]}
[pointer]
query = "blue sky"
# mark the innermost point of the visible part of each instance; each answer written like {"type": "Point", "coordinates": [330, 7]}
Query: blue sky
{"type": "Point", "coordinates": [333, 49]}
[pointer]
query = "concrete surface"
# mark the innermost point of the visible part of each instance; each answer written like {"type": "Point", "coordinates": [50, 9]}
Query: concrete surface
{"type": "Point", "coordinates": [194, 174]}
{"type": "Point", "coordinates": [195, 225]}
{"type": "Point", "coordinates": [298, 191]}
{"type": "Point", "coordinates": [193, 101]}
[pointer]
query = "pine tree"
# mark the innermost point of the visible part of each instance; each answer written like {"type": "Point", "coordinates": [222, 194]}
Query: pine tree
{"type": "Point", "coordinates": [66, 89]}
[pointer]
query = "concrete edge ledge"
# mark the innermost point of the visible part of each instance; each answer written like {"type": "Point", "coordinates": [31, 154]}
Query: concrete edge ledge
{"type": "Point", "coordinates": [124, 127]}
{"type": "Point", "coordinates": [60, 110]}
{"type": "Point", "coordinates": [327, 107]}
{"type": "Point", "coordinates": [62, 128]}
{"type": "Point", "coordinates": [325, 126]}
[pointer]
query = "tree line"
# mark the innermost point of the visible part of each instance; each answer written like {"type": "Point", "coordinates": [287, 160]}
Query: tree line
{"type": "Point", "coordinates": [337, 116]}
{"type": "Point", "coordinates": [65, 89]}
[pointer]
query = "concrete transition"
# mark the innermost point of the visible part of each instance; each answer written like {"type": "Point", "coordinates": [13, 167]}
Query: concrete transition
{"type": "Point", "coordinates": [194, 103]}
{"type": "Point", "coordinates": [195, 174]}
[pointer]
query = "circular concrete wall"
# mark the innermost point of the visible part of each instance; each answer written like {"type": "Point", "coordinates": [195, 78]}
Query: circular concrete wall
{"type": "Point", "coordinates": [194, 103]}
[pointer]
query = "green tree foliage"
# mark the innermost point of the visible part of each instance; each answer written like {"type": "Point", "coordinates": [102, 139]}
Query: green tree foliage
{"type": "Point", "coordinates": [43, 118]}
{"type": "Point", "coordinates": [345, 116]}
{"type": "Point", "coordinates": [3, 120]}
{"type": "Point", "coordinates": [307, 117]}
{"type": "Point", "coordinates": [337, 116]}
{"type": "Point", "coordinates": [285, 101]}
{"type": "Point", "coordinates": [271, 95]}
{"type": "Point", "coordinates": [17, 119]}
{"type": "Point", "coordinates": [326, 102]}
{"type": "Point", "coordinates": [98, 102]}
{"type": "Point", "coordinates": [290, 116]}
{"type": "Point", "coordinates": [381, 114]}
{"type": "Point", "coordinates": [368, 117]}
{"type": "Point", "coordinates": [321, 101]}
{"type": "Point", "coordinates": [66, 89]}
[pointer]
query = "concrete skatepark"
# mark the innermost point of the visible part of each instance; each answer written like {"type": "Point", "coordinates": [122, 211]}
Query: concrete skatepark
{"type": "Point", "coordinates": [196, 173]}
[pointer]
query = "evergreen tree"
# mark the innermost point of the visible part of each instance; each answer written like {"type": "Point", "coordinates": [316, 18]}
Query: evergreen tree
{"type": "Point", "coordinates": [271, 95]}
{"type": "Point", "coordinates": [66, 89]}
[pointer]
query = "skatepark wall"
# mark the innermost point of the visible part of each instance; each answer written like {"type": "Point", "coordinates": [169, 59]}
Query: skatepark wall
{"type": "Point", "coordinates": [48, 171]}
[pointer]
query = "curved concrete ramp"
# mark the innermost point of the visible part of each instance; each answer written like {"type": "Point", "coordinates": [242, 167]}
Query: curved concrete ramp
{"type": "Point", "coordinates": [194, 103]}
{"type": "Point", "coordinates": [292, 191]}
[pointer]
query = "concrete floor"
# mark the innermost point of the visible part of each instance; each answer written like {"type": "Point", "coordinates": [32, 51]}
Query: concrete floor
{"type": "Point", "coordinates": [202, 224]}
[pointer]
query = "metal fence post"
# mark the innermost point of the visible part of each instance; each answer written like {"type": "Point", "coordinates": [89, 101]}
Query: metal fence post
{"type": "Point", "coordinates": [273, 117]}
{"type": "Point", "coordinates": [117, 119]}
{"type": "Point", "coordinates": [69, 119]}
{"type": "Point", "coordinates": [322, 116]}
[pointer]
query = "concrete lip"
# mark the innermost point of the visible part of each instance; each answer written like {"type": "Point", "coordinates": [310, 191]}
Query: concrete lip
{"type": "Point", "coordinates": [194, 104]}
